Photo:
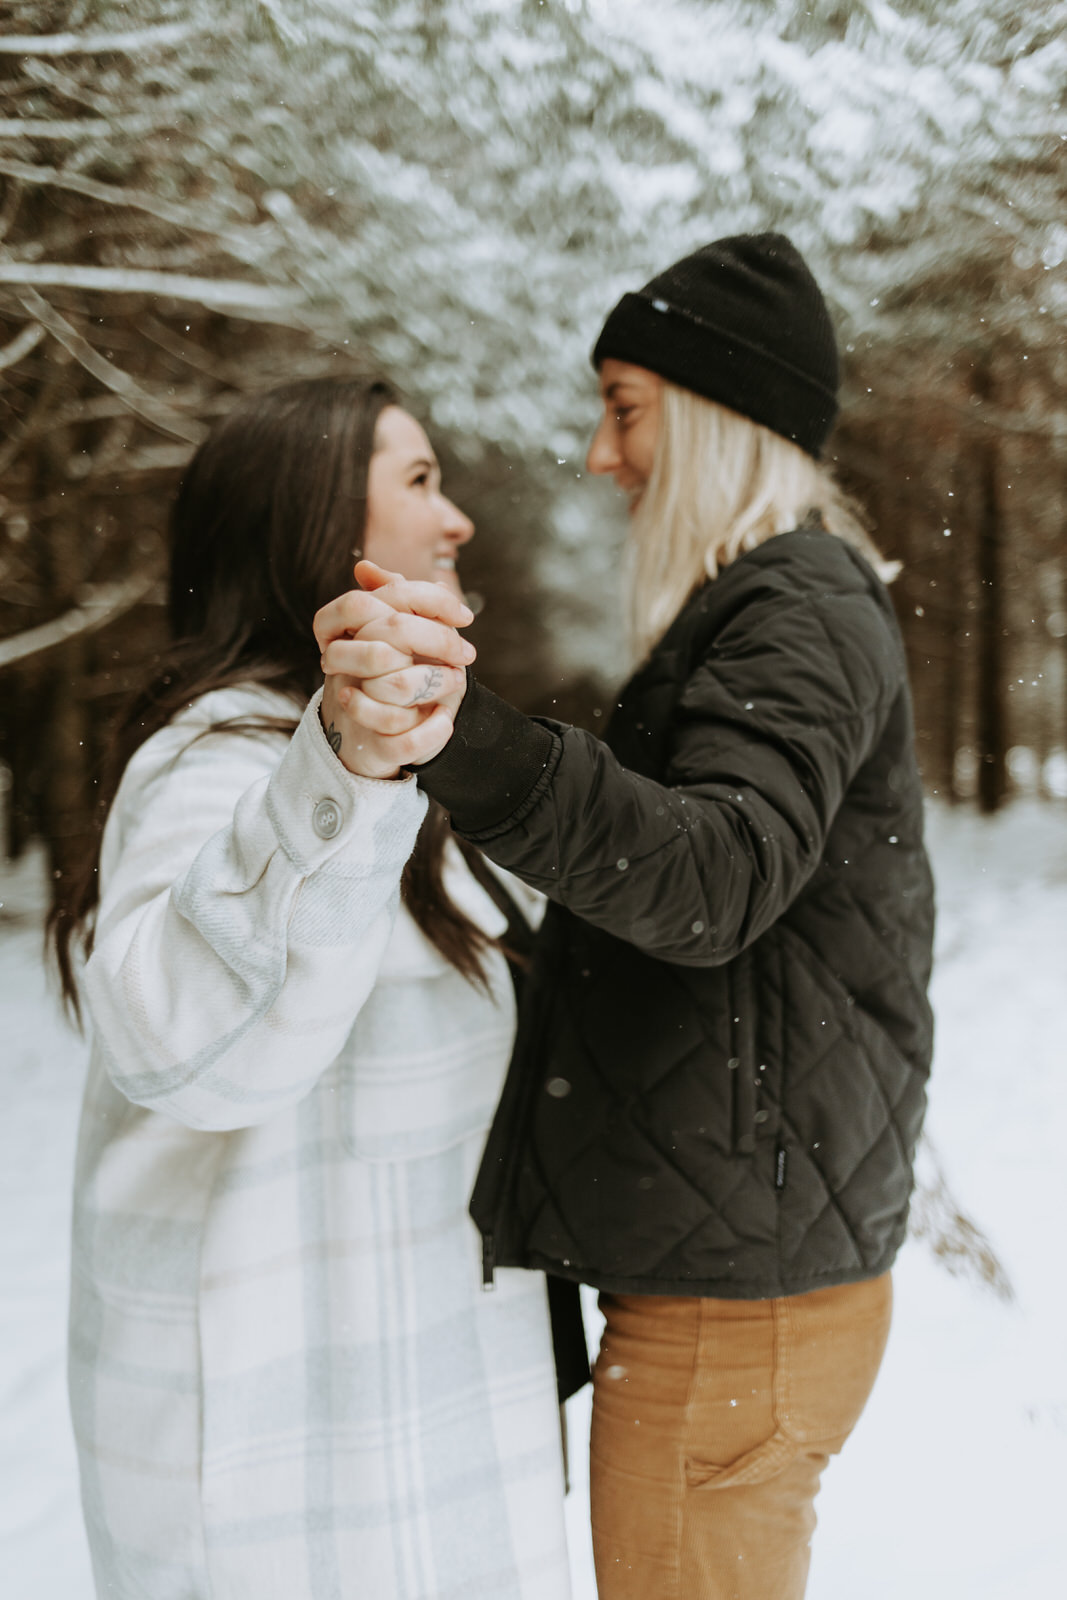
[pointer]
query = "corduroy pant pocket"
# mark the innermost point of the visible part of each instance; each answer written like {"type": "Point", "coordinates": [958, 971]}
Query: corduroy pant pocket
{"type": "Point", "coordinates": [712, 1422]}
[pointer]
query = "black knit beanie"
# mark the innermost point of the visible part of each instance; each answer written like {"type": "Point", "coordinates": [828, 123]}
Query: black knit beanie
{"type": "Point", "coordinates": [743, 322]}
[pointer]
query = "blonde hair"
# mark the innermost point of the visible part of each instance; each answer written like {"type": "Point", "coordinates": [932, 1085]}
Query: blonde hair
{"type": "Point", "coordinates": [721, 485]}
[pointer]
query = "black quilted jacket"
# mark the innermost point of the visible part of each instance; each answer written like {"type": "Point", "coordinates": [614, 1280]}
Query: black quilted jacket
{"type": "Point", "coordinates": [723, 1045]}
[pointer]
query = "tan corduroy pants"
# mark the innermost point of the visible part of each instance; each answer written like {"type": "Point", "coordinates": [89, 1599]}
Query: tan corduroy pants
{"type": "Point", "coordinates": [712, 1423]}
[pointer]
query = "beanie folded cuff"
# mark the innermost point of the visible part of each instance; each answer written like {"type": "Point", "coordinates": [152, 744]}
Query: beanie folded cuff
{"type": "Point", "coordinates": [696, 354]}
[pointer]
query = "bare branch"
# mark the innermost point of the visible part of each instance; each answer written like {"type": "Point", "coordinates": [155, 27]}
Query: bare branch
{"type": "Point", "coordinates": [188, 352]}
{"type": "Point", "coordinates": [164, 110]}
{"type": "Point", "coordinates": [16, 434]}
{"type": "Point", "coordinates": [10, 208]}
{"type": "Point", "coordinates": [216, 294]}
{"type": "Point", "coordinates": [236, 244]}
{"type": "Point", "coordinates": [1051, 425]}
{"type": "Point", "coordinates": [144, 405]}
{"type": "Point", "coordinates": [21, 345]}
{"type": "Point", "coordinates": [77, 128]}
{"type": "Point", "coordinates": [81, 467]}
{"type": "Point", "coordinates": [103, 602]}
{"type": "Point", "coordinates": [281, 24]}
{"type": "Point", "coordinates": [153, 458]}
{"type": "Point", "coordinates": [951, 1234]}
{"type": "Point", "coordinates": [44, 75]}
{"type": "Point", "coordinates": [88, 44]}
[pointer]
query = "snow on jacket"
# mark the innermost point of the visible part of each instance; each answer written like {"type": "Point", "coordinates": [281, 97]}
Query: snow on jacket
{"type": "Point", "coordinates": [284, 1377]}
{"type": "Point", "coordinates": [720, 1073]}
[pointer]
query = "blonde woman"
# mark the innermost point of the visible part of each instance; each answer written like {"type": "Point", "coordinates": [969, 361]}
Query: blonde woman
{"type": "Point", "coordinates": [720, 1073]}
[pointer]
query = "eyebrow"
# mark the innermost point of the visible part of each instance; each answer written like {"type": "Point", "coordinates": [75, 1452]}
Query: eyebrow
{"type": "Point", "coordinates": [613, 388]}
{"type": "Point", "coordinates": [424, 461]}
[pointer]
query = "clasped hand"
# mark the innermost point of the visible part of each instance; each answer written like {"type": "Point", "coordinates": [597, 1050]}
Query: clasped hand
{"type": "Point", "coordinates": [395, 670]}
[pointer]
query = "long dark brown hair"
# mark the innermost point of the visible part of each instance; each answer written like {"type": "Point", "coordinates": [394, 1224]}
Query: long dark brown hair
{"type": "Point", "coordinates": [263, 530]}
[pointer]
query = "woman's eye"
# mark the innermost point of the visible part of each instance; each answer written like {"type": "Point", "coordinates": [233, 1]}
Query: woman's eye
{"type": "Point", "coordinates": [623, 413]}
{"type": "Point", "coordinates": [421, 480]}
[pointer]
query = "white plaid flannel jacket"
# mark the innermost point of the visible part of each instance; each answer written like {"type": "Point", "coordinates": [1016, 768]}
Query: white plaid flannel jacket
{"type": "Point", "coordinates": [285, 1379]}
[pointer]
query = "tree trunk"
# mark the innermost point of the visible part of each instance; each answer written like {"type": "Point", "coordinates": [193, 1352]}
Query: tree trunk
{"type": "Point", "coordinates": [991, 719]}
{"type": "Point", "coordinates": [64, 775]}
{"type": "Point", "coordinates": [952, 684]}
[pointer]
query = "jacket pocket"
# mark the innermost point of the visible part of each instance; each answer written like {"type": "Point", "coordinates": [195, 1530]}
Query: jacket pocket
{"type": "Point", "coordinates": [808, 1362]}
{"type": "Point", "coordinates": [804, 1366]}
{"type": "Point", "coordinates": [742, 1061]}
{"type": "Point", "coordinates": [758, 1465]}
{"type": "Point", "coordinates": [739, 1379]}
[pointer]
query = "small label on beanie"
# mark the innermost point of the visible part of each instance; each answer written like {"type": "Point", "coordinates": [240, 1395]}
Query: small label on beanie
{"type": "Point", "coordinates": [660, 305]}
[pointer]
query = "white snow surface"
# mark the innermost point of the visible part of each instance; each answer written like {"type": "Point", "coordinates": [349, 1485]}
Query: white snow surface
{"type": "Point", "coordinates": [953, 1484]}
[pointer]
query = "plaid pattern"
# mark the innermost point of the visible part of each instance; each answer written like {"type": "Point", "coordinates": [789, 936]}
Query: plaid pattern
{"type": "Point", "coordinates": [284, 1376]}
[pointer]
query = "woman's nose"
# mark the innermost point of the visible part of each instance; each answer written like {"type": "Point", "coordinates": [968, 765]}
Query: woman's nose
{"type": "Point", "coordinates": [456, 525]}
{"type": "Point", "coordinates": [603, 455]}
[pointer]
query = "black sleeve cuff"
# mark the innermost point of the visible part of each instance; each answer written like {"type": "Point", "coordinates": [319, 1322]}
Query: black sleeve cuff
{"type": "Point", "coordinates": [490, 767]}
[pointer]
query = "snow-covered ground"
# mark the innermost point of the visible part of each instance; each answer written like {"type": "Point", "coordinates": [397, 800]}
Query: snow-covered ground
{"type": "Point", "coordinates": [952, 1487]}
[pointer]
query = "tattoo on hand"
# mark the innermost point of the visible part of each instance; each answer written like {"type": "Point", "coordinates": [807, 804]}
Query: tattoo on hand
{"type": "Point", "coordinates": [333, 739]}
{"type": "Point", "coordinates": [430, 686]}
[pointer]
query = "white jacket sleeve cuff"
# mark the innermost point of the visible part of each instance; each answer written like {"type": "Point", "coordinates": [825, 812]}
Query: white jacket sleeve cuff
{"type": "Point", "coordinates": [315, 803]}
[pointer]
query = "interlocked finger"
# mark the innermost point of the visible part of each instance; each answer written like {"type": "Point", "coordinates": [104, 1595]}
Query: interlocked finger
{"type": "Point", "coordinates": [378, 717]}
{"type": "Point", "coordinates": [348, 613]}
{"type": "Point", "coordinates": [424, 742]}
{"type": "Point", "coordinates": [425, 684]}
{"type": "Point", "coordinates": [419, 636]}
{"type": "Point", "coordinates": [344, 617]}
{"type": "Point", "coordinates": [363, 658]}
{"type": "Point", "coordinates": [410, 594]}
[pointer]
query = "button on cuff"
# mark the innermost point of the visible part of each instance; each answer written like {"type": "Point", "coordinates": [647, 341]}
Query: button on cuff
{"type": "Point", "coordinates": [327, 819]}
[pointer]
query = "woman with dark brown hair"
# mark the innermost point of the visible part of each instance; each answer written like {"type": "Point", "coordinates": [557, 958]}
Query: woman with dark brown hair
{"type": "Point", "coordinates": [284, 1377]}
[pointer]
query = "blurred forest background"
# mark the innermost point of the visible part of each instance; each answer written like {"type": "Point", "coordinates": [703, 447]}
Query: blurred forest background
{"type": "Point", "coordinates": [198, 199]}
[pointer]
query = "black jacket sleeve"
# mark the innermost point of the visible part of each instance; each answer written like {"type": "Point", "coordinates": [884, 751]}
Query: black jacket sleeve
{"type": "Point", "coordinates": [772, 726]}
